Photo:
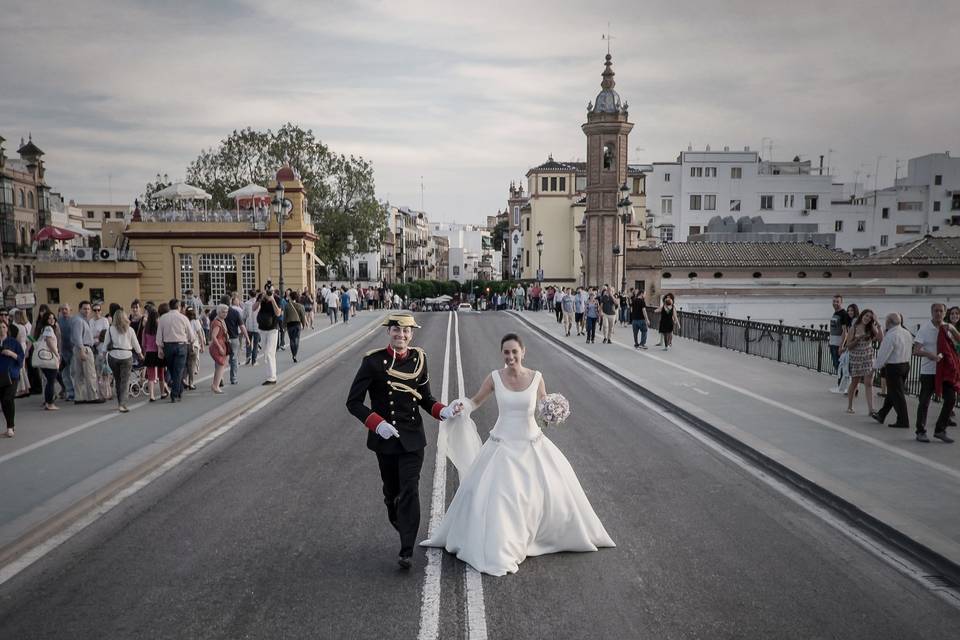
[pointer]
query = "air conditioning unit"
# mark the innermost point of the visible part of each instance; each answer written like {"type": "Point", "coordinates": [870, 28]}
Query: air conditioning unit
{"type": "Point", "coordinates": [83, 253]}
{"type": "Point", "coordinates": [107, 254]}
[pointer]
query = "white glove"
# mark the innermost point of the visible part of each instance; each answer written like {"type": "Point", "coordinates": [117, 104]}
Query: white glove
{"type": "Point", "coordinates": [386, 430]}
{"type": "Point", "coordinates": [451, 410]}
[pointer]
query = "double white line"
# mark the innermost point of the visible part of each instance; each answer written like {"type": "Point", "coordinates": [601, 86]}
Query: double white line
{"type": "Point", "coordinates": [476, 616]}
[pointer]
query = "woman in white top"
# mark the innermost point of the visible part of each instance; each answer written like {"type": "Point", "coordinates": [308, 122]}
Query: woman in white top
{"type": "Point", "coordinates": [99, 323]}
{"type": "Point", "coordinates": [48, 357]}
{"type": "Point", "coordinates": [121, 344]}
{"type": "Point", "coordinates": [193, 353]}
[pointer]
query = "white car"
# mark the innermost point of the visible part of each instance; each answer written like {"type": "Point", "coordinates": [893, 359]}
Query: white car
{"type": "Point", "coordinates": [464, 306]}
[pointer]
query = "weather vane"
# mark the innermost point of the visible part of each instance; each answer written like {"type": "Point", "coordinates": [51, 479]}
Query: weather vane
{"type": "Point", "coordinates": [608, 37]}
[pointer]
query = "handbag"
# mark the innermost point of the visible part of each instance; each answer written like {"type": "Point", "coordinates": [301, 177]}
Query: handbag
{"type": "Point", "coordinates": [44, 358]}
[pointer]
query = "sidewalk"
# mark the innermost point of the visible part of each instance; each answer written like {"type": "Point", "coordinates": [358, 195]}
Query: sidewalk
{"type": "Point", "coordinates": [789, 415]}
{"type": "Point", "coordinates": [59, 459]}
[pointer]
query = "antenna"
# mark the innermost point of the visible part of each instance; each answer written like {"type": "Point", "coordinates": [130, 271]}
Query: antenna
{"type": "Point", "coordinates": [829, 158]}
{"type": "Point", "coordinates": [421, 193]}
{"type": "Point", "coordinates": [608, 37]}
{"type": "Point", "coordinates": [110, 187]}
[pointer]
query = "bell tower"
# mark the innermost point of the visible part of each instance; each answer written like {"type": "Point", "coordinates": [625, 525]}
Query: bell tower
{"type": "Point", "coordinates": [607, 130]}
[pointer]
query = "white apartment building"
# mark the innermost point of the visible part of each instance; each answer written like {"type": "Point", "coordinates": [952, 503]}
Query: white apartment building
{"type": "Point", "coordinates": [475, 250]}
{"type": "Point", "coordinates": [683, 196]}
{"type": "Point", "coordinates": [734, 195]}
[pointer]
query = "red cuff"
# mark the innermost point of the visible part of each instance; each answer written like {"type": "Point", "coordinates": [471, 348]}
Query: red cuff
{"type": "Point", "coordinates": [373, 420]}
{"type": "Point", "coordinates": [436, 409]}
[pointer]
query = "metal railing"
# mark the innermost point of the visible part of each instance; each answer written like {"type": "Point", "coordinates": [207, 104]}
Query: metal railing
{"type": "Point", "coordinates": [808, 348]}
{"type": "Point", "coordinates": [199, 215]}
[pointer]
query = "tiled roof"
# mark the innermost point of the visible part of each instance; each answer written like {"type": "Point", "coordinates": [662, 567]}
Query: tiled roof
{"type": "Point", "coordinates": [929, 250]}
{"type": "Point", "coordinates": [581, 167]}
{"type": "Point", "coordinates": [751, 254]}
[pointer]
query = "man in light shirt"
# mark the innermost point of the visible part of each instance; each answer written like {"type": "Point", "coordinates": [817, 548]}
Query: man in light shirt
{"type": "Point", "coordinates": [893, 358]}
{"type": "Point", "coordinates": [925, 346]}
{"type": "Point", "coordinates": [174, 335]}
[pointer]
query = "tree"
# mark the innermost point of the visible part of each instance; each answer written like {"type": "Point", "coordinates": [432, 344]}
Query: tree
{"type": "Point", "coordinates": [499, 233]}
{"type": "Point", "coordinates": [339, 189]}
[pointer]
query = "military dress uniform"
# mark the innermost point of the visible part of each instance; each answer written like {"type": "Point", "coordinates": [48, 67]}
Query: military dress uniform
{"type": "Point", "coordinates": [398, 386]}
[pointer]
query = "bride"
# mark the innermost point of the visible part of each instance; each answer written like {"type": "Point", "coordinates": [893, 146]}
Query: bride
{"type": "Point", "coordinates": [518, 495]}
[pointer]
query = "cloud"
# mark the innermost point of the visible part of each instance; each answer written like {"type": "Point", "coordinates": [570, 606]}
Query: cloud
{"type": "Point", "coordinates": [470, 95]}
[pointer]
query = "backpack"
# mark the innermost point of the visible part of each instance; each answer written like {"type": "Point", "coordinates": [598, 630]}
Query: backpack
{"type": "Point", "coordinates": [266, 320]}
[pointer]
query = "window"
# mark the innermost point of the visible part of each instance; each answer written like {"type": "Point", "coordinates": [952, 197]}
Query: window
{"type": "Point", "coordinates": [553, 184]}
{"type": "Point", "coordinates": [186, 273]}
{"type": "Point", "coordinates": [666, 234]}
{"type": "Point", "coordinates": [938, 180]}
{"type": "Point", "coordinates": [53, 296]}
{"type": "Point", "coordinates": [955, 203]}
{"type": "Point", "coordinates": [666, 177]}
{"type": "Point", "coordinates": [936, 205]}
{"type": "Point", "coordinates": [883, 241]}
{"type": "Point", "coordinates": [736, 173]}
{"type": "Point", "coordinates": [788, 201]}
{"type": "Point", "coordinates": [528, 258]}
{"type": "Point", "coordinates": [248, 272]}
{"type": "Point", "coordinates": [23, 202]}
{"type": "Point", "coordinates": [718, 274]}
{"type": "Point", "coordinates": [908, 228]}
{"type": "Point", "coordinates": [766, 203]}
{"type": "Point", "coordinates": [757, 274]}
{"type": "Point", "coordinates": [710, 172]}
{"type": "Point", "coordinates": [734, 205]}
{"type": "Point", "coordinates": [363, 271]}
{"type": "Point", "coordinates": [528, 224]}
{"type": "Point", "coordinates": [516, 216]}
{"type": "Point", "coordinates": [456, 269]}
{"type": "Point", "coordinates": [118, 215]}
{"type": "Point", "coordinates": [861, 226]}
{"type": "Point", "coordinates": [666, 205]}
{"type": "Point", "coordinates": [810, 202]}
{"type": "Point", "coordinates": [885, 213]}
{"type": "Point", "coordinates": [694, 230]}
{"type": "Point", "coordinates": [544, 183]}
{"type": "Point", "coordinates": [217, 274]}
{"type": "Point", "coordinates": [89, 215]}
{"type": "Point", "coordinates": [909, 206]}
{"type": "Point", "coordinates": [27, 275]}
{"type": "Point", "coordinates": [838, 225]}
{"type": "Point", "coordinates": [695, 203]}
{"type": "Point", "coordinates": [692, 274]}
{"type": "Point", "coordinates": [710, 202]}
{"type": "Point", "coordinates": [696, 172]}
{"type": "Point", "coordinates": [563, 184]}
{"type": "Point", "coordinates": [30, 199]}
{"type": "Point", "coordinates": [96, 295]}
{"type": "Point", "coordinates": [106, 215]}
{"type": "Point", "coordinates": [19, 271]}
{"type": "Point", "coordinates": [607, 156]}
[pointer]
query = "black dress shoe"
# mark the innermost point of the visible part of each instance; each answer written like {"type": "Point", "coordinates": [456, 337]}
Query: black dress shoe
{"type": "Point", "coordinates": [266, 382]}
{"type": "Point", "coordinates": [943, 437]}
{"type": "Point", "coordinates": [405, 562]}
{"type": "Point", "coordinates": [876, 416]}
{"type": "Point", "coordinates": [899, 426]}
{"type": "Point", "coordinates": [922, 437]}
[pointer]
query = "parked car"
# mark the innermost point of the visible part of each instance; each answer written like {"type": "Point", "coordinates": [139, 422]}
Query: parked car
{"type": "Point", "coordinates": [464, 306]}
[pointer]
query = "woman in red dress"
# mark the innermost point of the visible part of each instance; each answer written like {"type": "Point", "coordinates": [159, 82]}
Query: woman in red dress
{"type": "Point", "coordinates": [219, 345]}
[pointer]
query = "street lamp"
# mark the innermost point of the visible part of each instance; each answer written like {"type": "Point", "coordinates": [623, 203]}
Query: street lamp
{"type": "Point", "coordinates": [279, 210]}
{"type": "Point", "coordinates": [626, 214]}
{"type": "Point", "coordinates": [539, 256]}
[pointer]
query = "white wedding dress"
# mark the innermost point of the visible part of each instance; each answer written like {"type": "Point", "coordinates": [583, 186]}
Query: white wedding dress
{"type": "Point", "coordinates": [519, 497]}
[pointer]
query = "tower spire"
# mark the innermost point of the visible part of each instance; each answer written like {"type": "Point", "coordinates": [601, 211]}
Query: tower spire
{"type": "Point", "coordinates": [608, 82]}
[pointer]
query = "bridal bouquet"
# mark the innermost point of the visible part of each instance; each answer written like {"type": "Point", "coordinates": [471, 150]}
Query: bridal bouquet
{"type": "Point", "coordinates": [553, 409]}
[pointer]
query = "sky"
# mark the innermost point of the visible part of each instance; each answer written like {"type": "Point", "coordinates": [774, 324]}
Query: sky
{"type": "Point", "coordinates": [468, 96]}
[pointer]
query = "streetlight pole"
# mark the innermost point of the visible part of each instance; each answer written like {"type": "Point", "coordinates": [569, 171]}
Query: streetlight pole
{"type": "Point", "coordinates": [279, 209]}
{"type": "Point", "coordinates": [539, 256]}
{"type": "Point", "coordinates": [626, 213]}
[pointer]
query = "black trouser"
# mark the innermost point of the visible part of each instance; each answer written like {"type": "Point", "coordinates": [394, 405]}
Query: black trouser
{"type": "Point", "coordinates": [400, 473]}
{"type": "Point", "coordinates": [896, 400]}
{"type": "Point", "coordinates": [558, 309]}
{"type": "Point", "coordinates": [293, 330]}
{"type": "Point", "coordinates": [926, 392]}
{"type": "Point", "coordinates": [8, 397]}
{"type": "Point", "coordinates": [51, 382]}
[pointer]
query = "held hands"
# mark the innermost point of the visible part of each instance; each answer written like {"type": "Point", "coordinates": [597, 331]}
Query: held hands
{"type": "Point", "coordinates": [386, 430]}
{"type": "Point", "coordinates": [451, 410]}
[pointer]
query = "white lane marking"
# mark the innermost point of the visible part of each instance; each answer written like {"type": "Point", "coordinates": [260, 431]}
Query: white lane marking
{"type": "Point", "coordinates": [889, 556]}
{"type": "Point", "coordinates": [107, 416]}
{"type": "Point", "coordinates": [430, 598]}
{"type": "Point", "coordinates": [476, 613]}
{"type": "Point", "coordinates": [35, 553]}
{"type": "Point", "coordinates": [807, 416]}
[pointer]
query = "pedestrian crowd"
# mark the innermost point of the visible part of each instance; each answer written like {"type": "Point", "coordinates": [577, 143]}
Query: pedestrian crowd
{"type": "Point", "coordinates": [862, 351]}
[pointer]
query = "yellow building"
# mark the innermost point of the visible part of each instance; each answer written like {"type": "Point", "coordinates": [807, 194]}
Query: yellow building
{"type": "Point", "coordinates": [60, 281]}
{"type": "Point", "coordinates": [213, 253]}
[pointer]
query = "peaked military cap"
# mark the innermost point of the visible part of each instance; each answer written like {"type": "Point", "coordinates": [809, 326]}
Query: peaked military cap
{"type": "Point", "coordinates": [400, 320]}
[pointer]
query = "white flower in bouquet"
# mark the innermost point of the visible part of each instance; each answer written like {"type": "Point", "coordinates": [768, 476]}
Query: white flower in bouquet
{"type": "Point", "coordinates": [553, 408]}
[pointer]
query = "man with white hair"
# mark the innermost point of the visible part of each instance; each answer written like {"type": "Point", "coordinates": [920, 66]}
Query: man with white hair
{"type": "Point", "coordinates": [893, 358]}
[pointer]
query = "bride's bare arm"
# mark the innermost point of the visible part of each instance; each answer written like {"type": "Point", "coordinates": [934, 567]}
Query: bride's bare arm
{"type": "Point", "coordinates": [483, 392]}
{"type": "Point", "coordinates": [541, 390]}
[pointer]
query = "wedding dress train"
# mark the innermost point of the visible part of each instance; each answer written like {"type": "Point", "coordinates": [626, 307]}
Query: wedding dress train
{"type": "Point", "coordinates": [518, 495]}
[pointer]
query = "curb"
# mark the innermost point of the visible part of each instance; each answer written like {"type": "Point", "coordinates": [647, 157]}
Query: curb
{"type": "Point", "coordinates": [60, 521]}
{"type": "Point", "coordinates": [936, 563]}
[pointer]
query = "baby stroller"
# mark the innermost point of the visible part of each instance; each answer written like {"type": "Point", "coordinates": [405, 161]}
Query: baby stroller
{"type": "Point", "coordinates": [138, 380]}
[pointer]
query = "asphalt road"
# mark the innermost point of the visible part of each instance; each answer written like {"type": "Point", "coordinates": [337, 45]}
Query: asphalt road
{"type": "Point", "coordinates": [277, 530]}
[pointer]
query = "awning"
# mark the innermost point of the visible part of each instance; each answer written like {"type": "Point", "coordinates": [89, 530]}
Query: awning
{"type": "Point", "coordinates": [54, 233]}
{"type": "Point", "coordinates": [80, 231]}
{"type": "Point", "coordinates": [181, 191]}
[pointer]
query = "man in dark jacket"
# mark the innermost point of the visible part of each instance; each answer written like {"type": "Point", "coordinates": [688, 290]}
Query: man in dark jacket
{"type": "Point", "coordinates": [397, 381]}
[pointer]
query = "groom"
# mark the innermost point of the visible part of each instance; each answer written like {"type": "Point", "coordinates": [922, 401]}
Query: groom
{"type": "Point", "coordinates": [396, 379]}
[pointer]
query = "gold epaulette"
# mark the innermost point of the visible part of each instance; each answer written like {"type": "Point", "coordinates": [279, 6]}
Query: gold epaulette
{"type": "Point", "coordinates": [372, 351]}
